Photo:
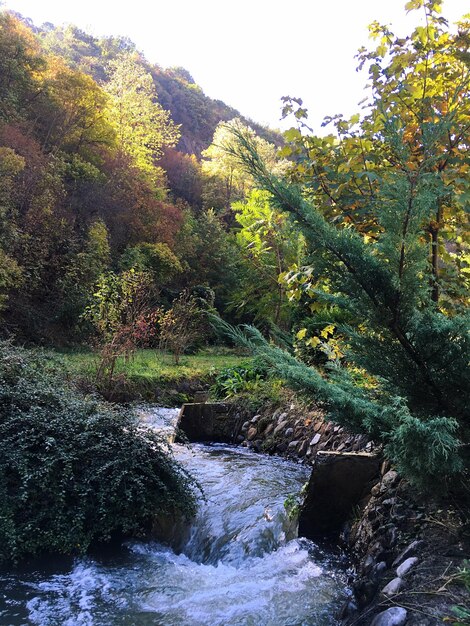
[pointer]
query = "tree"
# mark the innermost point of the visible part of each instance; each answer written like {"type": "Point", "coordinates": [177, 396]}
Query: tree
{"type": "Point", "coordinates": [11, 164]}
{"type": "Point", "coordinates": [413, 354]}
{"type": "Point", "coordinates": [20, 65]}
{"type": "Point", "coordinates": [269, 246]}
{"type": "Point", "coordinates": [225, 180]}
{"type": "Point", "coordinates": [156, 259]}
{"type": "Point", "coordinates": [74, 112]}
{"type": "Point", "coordinates": [143, 127]}
{"type": "Point", "coordinates": [119, 306]}
{"type": "Point", "coordinates": [82, 274]}
{"type": "Point", "coordinates": [184, 175]}
{"type": "Point", "coordinates": [419, 91]}
{"type": "Point", "coordinates": [182, 325]}
{"type": "Point", "coordinates": [209, 256]}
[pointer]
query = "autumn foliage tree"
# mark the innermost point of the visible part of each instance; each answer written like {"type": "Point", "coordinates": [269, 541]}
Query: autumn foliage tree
{"type": "Point", "coordinates": [420, 94]}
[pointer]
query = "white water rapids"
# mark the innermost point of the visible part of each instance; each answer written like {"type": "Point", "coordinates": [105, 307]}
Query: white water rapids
{"type": "Point", "coordinates": [240, 566]}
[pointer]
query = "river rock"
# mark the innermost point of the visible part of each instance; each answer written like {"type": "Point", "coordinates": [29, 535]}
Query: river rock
{"type": "Point", "coordinates": [293, 445]}
{"type": "Point", "coordinates": [388, 480]}
{"type": "Point", "coordinates": [396, 616]}
{"type": "Point", "coordinates": [315, 439]}
{"type": "Point", "coordinates": [254, 419]}
{"type": "Point", "coordinates": [269, 430]}
{"type": "Point", "coordinates": [303, 448]}
{"type": "Point", "coordinates": [280, 427]}
{"type": "Point", "coordinates": [245, 426]}
{"type": "Point", "coordinates": [289, 432]}
{"type": "Point", "coordinates": [408, 551]}
{"type": "Point", "coordinates": [349, 608]}
{"type": "Point", "coordinates": [251, 434]}
{"type": "Point", "coordinates": [375, 489]}
{"type": "Point", "coordinates": [378, 569]}
{"type": "Point", "coordinates": [393, 587]}
{"type": "Point", "coordinates": [405, 567]}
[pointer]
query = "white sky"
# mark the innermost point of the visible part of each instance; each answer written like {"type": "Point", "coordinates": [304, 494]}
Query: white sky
{"type": "Point", "coordinates": [248, 53]}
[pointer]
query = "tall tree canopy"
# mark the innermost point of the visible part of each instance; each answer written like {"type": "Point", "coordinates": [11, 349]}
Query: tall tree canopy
{"type": "Point", "coordinates": [143, 127]}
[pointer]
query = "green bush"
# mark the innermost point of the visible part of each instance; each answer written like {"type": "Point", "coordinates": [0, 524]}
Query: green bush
{"type": "Point", "coordinates": [230, 381]}
{"type": "Point", "coordinates": [73, 470]}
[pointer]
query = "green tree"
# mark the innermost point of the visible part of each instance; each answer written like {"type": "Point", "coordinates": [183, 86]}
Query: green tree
{"type": "Point", "coordinates": [11, 164]}
{"type": "Point", "coordinates": [143, 127]}
{"type": "Point", "coordinates": [156, 259]}
{"type": "Point", "coordinates": [269, 246]}
{"type": "Point", "coordinates": [118, 307]}
{"type": "Point", "coordinates": [416, 357]}
{"type": "Point", "coordinates": [209, 256]}
{"type": "Point", "coordinates": [183, 325]}
{"type": "Point", "coordinates": [82, 274]}
{"type": "Point", "coordinates": [225, 181]}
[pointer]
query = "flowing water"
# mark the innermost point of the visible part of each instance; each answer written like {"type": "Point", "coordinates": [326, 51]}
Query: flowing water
{"type": "Point", "coordinates": [241, 563]}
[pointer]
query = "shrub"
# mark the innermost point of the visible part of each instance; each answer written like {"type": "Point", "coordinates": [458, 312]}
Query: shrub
{"type": "Point", "coordinates": [73, 470]}
{"type": "Point", "coordinates": [231, 381]}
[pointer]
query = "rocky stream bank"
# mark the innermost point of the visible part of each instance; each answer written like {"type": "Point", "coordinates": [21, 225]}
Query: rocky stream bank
{"type": "Point", "coordinates": [406, 549]}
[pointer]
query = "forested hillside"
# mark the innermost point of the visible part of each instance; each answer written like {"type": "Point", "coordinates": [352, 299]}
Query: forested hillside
{"type": "Point", "coordinates": [101, 175]}
{"type": "Point", "coordinates": [197, 114]}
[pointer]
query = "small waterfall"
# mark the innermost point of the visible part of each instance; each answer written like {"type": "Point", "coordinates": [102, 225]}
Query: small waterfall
{"type": "Point", "coordinates": [241, 566]}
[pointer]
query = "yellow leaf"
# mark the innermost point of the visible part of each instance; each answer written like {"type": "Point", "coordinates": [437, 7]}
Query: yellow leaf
{"type": "Point", "coordinates": [301, 334]}
{"type": "Point", "coordinates": [313, 341]}
{"type": "Point", "coordinates": [328, 330]}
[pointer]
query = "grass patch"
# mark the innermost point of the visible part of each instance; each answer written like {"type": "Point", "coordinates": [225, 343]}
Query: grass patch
{"type": "Point", "coordinates": [152, 375]}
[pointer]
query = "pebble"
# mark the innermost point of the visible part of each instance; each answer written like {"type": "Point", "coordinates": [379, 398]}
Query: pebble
{"type": "Point", "coordinates": [393, 587]}
{"type": "Point", "coordinates": [396, 616]}
{"type": "Point", "coordinates": [254, 419]}
{"type": "Point", "coordinates": [289, 432]}
{"type": "Point", "coordinates": [405, 567]}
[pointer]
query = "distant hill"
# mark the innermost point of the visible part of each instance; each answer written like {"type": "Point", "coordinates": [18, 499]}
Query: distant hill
{"type": "Point", "coordinates": [177, 91]}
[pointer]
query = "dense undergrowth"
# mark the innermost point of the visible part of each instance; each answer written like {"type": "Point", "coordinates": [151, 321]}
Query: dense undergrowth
{"type": "Point", "coordinates": [75, 470]}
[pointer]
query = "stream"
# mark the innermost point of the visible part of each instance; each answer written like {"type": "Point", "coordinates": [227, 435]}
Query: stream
{"type": "Point", "coordinates": [241, 563]}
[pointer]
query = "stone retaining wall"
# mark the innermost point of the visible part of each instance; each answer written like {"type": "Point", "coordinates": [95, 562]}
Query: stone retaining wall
{"type": "Point", "coordinates": [296, 433]}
